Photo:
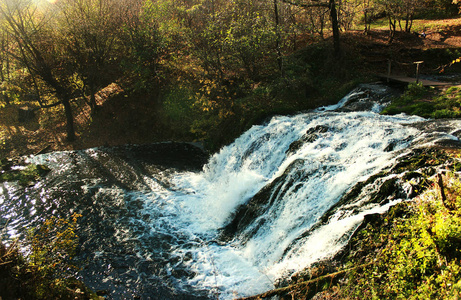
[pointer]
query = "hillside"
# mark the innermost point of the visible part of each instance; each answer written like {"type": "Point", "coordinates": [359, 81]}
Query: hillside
{"type": "Point", "coordinates": [126, 117]}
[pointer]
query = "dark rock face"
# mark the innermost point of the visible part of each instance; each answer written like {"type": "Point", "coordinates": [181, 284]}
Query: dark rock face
{"type": "Point", "coordinates": [311, 135]}
{"type": "Point", "coordinates": [368, 96]}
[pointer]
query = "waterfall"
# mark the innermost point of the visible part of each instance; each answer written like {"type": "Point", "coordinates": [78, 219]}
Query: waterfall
{"type": "Point", "coordinates": [263, 208]}
{"type": "Point", "coordinates": [293, 188]}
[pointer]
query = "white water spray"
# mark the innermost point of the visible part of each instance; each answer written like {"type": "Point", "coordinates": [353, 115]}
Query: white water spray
{"type": "Point", "coordinates": [315, 177]}
{"type": "Point", "coordinates": [253, 215]}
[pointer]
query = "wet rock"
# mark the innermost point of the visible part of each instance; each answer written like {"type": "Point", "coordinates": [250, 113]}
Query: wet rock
{"type": "Point", "coordinates": [450, 144]}
{"type": "Point", "coordinates": [311, 135]}
{"type": "Point", "coordinates": [362, 105]}
{"type": "Point", "coordinates": [249, 213]}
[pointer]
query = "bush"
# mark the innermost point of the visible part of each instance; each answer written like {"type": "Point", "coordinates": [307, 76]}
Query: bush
{"type": "Point", "coordinates": [47, 270]}
{"type": "Point", "coordinates": [417, 256]}
{"type": "Point", "coordinates": [178, 103]}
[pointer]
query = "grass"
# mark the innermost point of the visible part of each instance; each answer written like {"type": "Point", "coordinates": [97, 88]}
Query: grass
{"type": "Point", "coordinates": [420, 25]}
{"type": "Point", "coordinates": [426, 102]}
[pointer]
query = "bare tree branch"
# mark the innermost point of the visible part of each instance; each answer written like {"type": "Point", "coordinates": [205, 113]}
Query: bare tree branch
{"type": "Point", "coordinates": [307, 5]}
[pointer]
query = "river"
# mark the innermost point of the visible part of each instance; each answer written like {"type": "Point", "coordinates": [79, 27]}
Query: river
{"type": "Point", "coordinates": [165, 221]}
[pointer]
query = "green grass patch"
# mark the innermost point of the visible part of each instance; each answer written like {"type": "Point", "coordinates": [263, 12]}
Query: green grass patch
{"type": "Point", "coordinates": [421, 101]}
{"type": "Point", "coordinates": [24, 174]}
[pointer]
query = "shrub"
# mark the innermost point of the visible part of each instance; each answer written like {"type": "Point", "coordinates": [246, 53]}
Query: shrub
{"type": "Point", "coordinates": [47, 270]}
{"type": "Point", "coordinates": [418, 258]}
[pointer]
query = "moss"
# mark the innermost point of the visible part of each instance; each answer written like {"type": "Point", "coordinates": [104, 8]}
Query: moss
{"type": "Point", "coordinates": [422, 158]}
{"type": "Point", "coordinates": [424, 102]}
{"type": "Point", "coordinates": [24, 174]}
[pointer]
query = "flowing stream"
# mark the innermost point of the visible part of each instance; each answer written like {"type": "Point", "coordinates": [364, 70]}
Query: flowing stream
{"type": "Point", "coordinates": [165, 222]}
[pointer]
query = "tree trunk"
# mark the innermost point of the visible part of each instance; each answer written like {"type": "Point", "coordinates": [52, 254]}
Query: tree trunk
{"type": "Point", "coordinates": [92, 92]}
{"type": "Point", "coordinates": [408, 23]}
{"type": "Point", "coordinates": [335, 28]}
{"type": "Point", "coordinates": [333, 16]}
{"type": "Point", "coordinates": [93, 104]}
{"type": "Point", "coordinates": [392, 24]}
{"type": "Point", "coordinates": [322, 27]}
{"type": "Point", "coordinates": [365, 18]}
{"type": "Point", "coordinates": [278, 38]}
{"type": "Point", "coordinates": [70, 120]}
{"type": "Point", "coordinates": [2, 79]}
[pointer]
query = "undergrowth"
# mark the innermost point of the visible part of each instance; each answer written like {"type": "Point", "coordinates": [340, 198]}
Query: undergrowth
{"type": "Point", "coordinates": [413, 253]}
{"type": "Point", "coordinates": [42, 266]}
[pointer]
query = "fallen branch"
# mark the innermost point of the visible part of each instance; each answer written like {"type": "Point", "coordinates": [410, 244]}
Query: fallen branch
{"type": "Point", "coordinates": [43, 150]}
{"type": "Point", "coordinates": [5, 263]}
{"type": "Point", "coordinates": [307, 283]}
{"type": "Point", "coordinates": [442, 192]}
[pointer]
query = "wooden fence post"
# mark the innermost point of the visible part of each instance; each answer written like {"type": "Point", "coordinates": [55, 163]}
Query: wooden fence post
{"type": "Point", "coordinates": [417, 70]}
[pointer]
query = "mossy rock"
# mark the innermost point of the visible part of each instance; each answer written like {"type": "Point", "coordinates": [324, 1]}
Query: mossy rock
{"type": "Point", "coordinates": [22, 174]}
{"type": "Point", "coordinates": [421, 158]}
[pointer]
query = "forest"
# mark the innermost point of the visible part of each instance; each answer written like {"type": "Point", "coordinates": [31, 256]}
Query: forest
{"type": "Point", "coordinates": [202, 67]}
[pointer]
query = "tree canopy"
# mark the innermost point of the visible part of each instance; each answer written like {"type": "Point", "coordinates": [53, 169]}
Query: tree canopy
{"type": "Point", "coordinates": [62, 53]}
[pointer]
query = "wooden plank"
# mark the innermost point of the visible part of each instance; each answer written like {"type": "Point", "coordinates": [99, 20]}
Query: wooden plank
{"type": "Point", "coordinates": [406, 79]}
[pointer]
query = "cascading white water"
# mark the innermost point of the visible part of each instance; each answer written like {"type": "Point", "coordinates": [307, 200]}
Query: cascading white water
{"type": "Point", "coordinates": [315, 176]}
{"type": "Point", "coordinates": [249, 218]}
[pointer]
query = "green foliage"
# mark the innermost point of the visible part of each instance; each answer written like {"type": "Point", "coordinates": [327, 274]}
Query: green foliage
{"type": "Point", "coordinates": [147, 37]}
{"type": "Point", "coordinates": [250, 41]}
{"type": "Point", "coordinates": [433, 9]}
{"type": "Point", "coordinates": [47, 270]}
{"type": "Point", "coordinates": [53, 246]}
{"type": "Point", "coordinates": [415, 253]}
{"type": "Point", "coordinates": [418, 100]}
{"type": "Point", "coordinates": [178, 106]}
{"type": "Point", "coordinates": [415, 90]}
{"type": "Point", "coordinates": [23, 174]}
{"type": "Point", "coordinates": [178, 102]}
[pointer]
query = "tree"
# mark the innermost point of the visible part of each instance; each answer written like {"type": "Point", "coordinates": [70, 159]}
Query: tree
{"type": "Point", "coordinates": [36, 49]}
{"type": "Point", "coordinates": [331, 5]}
{"type": "Point", "coordinates": [408, 13]}
{"type": "Point", "coordinates": [90, 31]}
{"type": "Point", "coordinates": [369, 13]}
{"type": "Point", "coordinates": [457, 2]}
{"type": "Point", "coordinates": [347, 12]}
{"type": "Point", "coordinates": [279, 37]}
{"type": "Point", "coordinates": [253, 38]}
{"type": "Point", "coordinates": [398, 11]}
{"type": "Point", "coordinates": [4, 65]}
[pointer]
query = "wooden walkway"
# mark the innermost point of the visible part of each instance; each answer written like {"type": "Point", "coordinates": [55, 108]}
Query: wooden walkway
{"type": "Point", "coordinates": [405, 79]}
